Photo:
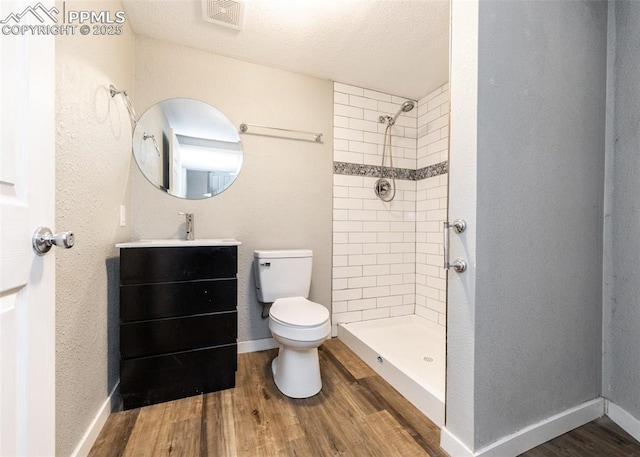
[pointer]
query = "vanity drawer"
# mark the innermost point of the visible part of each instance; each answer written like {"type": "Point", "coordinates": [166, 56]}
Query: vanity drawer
{"type": "Point", "coordinates": [170, 264]}
{"type": "Point", "coordinates": [172, 299]}
{"type": "Point", "coordinates": [167, 377]}
{"type": "Point", "coordinates": [147, 338]}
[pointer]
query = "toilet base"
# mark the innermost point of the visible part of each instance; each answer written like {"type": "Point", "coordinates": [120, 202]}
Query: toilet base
{"type": "Point", "coordinates": [297, 372]}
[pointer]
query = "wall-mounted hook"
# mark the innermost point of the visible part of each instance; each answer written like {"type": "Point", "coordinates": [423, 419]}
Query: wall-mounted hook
{"type": "Point", "coordinates": [146, 136]}
{"type": "Point", "coordinates": [127, 102]}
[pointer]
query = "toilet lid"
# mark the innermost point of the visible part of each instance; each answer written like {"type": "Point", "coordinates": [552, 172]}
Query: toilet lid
{"type": "Point", "coordinates": [299, 311]}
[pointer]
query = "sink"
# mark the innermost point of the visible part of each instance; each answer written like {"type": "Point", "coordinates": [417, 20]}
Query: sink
{"type": "Point", "coordinates": [175, 242]}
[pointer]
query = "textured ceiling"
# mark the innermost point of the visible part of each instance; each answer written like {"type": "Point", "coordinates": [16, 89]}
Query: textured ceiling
{"type": "Point", "coordinates": [395, 46]}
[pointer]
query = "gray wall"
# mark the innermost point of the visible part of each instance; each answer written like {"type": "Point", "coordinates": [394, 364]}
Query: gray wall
{"type": "Point", "coordinates": [541, 120]}
{"type": "Point", "coordinates": [622, 358]}
{"type": "Point", "coordinates": [93, 164]}
{"type": "Point", "coordinates": [282, 198]}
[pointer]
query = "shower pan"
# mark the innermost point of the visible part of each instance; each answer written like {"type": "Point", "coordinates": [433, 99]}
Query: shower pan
{"type": "Point", "coordinates": [409, 353]}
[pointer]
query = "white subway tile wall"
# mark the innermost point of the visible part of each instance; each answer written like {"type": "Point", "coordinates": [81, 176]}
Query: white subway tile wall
{"type": "Point", "coordinates": [431, 206]}
{"type": "Point", "coordinates": [387, 257]}
{"type": "Point", "coordinates": [431, 212]}
{"type": "Point", "coordinates": [358, 134]}
{"type": "Point", "coordinates": [373, 251]}
{"type": "Point", "coordinates": [433, 128]}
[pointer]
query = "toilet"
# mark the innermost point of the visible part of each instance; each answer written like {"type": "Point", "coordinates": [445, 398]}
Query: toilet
{"type": "Point", "coordinates": [297, 324]}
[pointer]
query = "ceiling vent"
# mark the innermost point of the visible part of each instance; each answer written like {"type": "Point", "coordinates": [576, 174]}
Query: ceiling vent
{"type": "Point", "coordinates": [227, 13]}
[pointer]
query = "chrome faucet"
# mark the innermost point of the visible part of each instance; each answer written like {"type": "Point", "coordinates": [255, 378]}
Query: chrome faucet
{"type": "Point", "coordinates": [189, 224]}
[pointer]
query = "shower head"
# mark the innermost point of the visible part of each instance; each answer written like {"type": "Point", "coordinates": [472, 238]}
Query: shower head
{"type": "Point", "coordinates": [405, 108]}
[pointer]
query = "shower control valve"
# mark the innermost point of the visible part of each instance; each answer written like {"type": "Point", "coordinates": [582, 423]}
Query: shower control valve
{"type": "Point", "coordinates": [382, 189]}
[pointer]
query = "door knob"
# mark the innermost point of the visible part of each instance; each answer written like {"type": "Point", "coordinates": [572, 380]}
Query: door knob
{"type": "Point", "coordinates": [43, 239]}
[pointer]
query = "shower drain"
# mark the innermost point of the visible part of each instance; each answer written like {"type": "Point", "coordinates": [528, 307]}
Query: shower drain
{"type": "Point", "coordinates": [427, 359]}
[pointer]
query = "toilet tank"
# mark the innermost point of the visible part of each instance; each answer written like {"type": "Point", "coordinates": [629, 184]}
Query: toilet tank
{"type": "Point", "coordinates": [282, 274]}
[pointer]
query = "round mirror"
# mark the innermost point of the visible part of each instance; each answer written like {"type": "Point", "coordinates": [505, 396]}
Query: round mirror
{"type": "Point", "coordinates": [187, 148]}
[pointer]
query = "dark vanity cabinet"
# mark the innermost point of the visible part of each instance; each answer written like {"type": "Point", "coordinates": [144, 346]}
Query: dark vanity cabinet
{"type": "Point", "coordinates": [178, 322]}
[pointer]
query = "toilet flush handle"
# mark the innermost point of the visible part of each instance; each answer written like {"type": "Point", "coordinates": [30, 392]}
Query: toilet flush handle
{"type": "Point", "coordinates": [265, 264]}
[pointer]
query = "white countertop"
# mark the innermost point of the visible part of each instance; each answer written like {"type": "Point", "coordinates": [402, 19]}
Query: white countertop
{"type": "Point", "coordinates": [175, 242]}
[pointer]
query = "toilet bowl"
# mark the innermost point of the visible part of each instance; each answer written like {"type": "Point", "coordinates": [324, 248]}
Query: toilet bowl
{"type": "Point", "coordinates": [299, 326]}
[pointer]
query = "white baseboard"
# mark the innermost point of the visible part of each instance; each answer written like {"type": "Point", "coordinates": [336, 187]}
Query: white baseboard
{"type": "Point", "coordinates": [529, 437]}
{"type": "Point", "coordinates": [90, 436]}
{"type": "Point", "coordinates": [626, 421]}
{"type": "Point", "coordinates": [256, 345]}
{"type": "Point", "coordinates": [454, 447]}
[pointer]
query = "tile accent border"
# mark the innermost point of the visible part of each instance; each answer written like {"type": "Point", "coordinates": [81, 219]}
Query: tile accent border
{"type": "Point", "coordinates": [373, 171]}
{"type": "Point", "coordinates": [437, 169]}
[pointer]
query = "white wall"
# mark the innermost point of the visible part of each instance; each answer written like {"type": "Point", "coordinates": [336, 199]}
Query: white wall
{"type": "Point", "coordinates": [93, 163]}
{"type": "Point", "coordinates": [282, 196]}
{"type": "Point", "coordinates": [463, 176]}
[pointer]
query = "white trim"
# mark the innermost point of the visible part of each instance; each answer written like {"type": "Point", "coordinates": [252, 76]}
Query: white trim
{"type": "Point", "coordinates": [256, 345]}
{"type": "Point", "coordinates": [545, 430]}
{"type": "Point", "coordinates": [531, 436]}
{"type": "Point", "coordinates": [90, 436]}
{"type": "Point", "coordinates": [452, 445]}
{"type": "Point", "coordinates": [629, 423]}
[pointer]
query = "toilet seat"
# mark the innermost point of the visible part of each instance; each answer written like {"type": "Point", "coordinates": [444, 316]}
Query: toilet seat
{"type": "Point", "coordinates": [298, 312]}
{"type": "Point", "coordinates": [299, 319]}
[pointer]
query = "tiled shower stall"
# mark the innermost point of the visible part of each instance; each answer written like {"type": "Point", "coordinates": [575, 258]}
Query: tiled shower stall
{"type": "Point", "coordinates": [387, 257]}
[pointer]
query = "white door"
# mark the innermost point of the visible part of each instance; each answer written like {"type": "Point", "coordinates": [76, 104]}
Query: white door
{"type": "Point", "coordinates": [27, 281]}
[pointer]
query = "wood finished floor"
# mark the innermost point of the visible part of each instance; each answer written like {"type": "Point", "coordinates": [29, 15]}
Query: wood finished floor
{"type": "Point", "coordinates": [356, 414]}
{"type": "Point", "coordinates": [600, 438]}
